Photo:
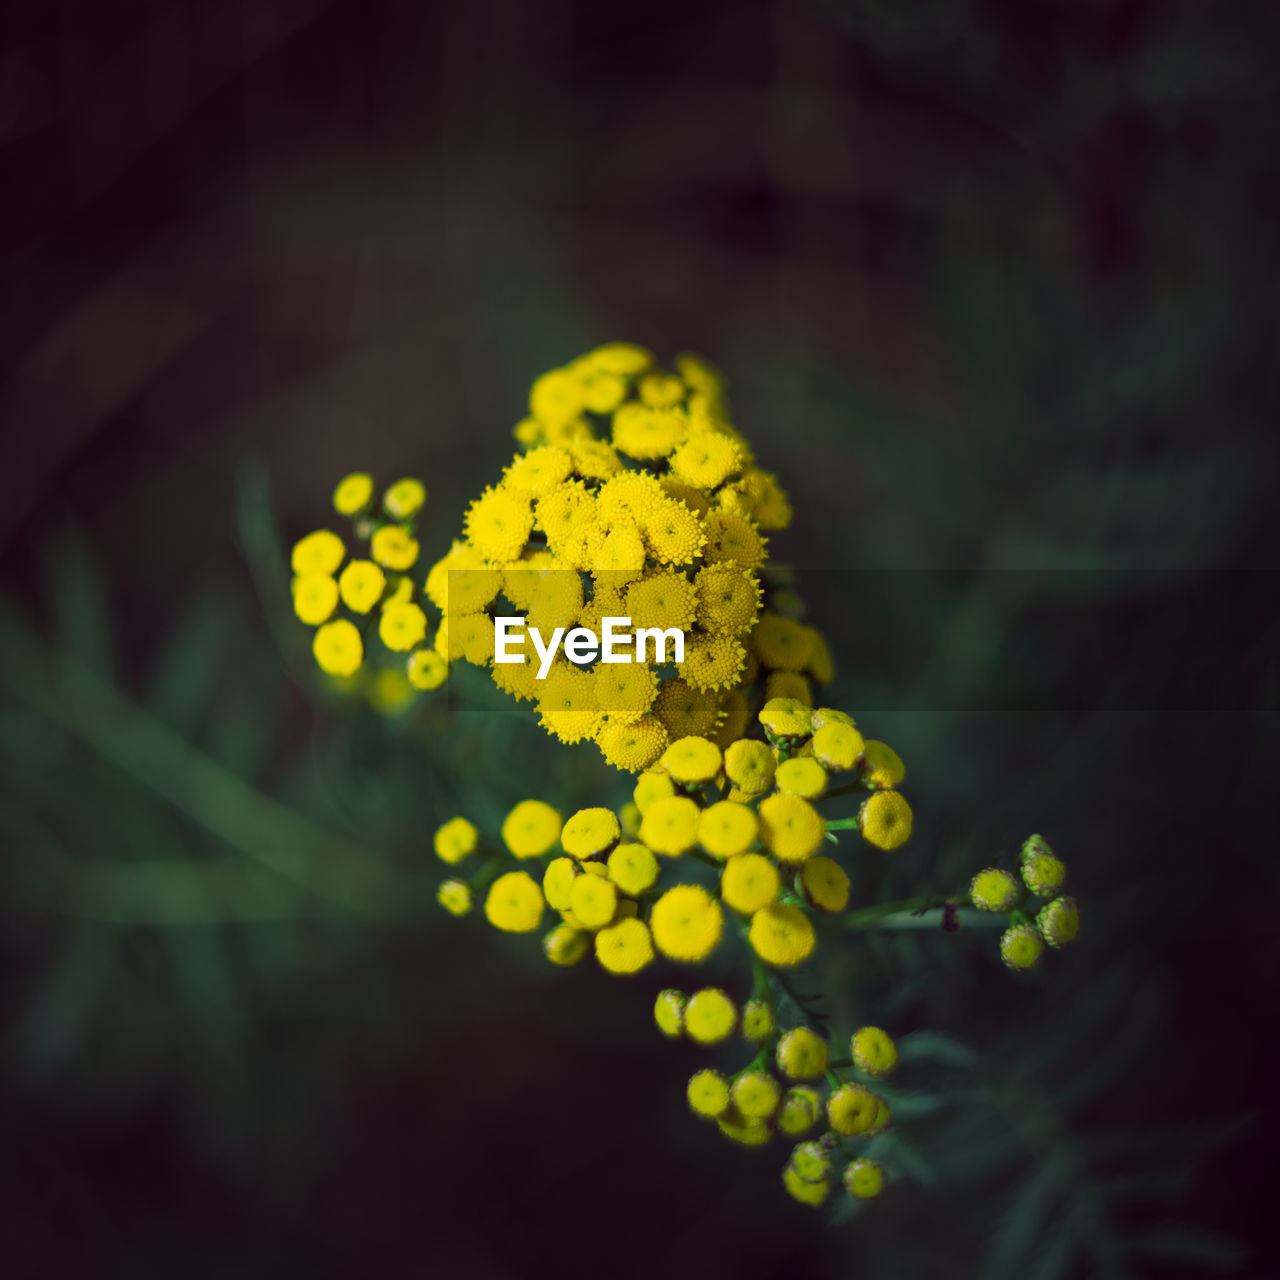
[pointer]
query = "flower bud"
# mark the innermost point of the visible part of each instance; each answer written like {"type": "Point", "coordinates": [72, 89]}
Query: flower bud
{"type": "Point", "coordinates": [1043, 874]}
{"type": "Point", "coordinates": [454, 896]}
{"type": "Point", "coordinates": [1059, 922]}
{"type": "Point", "coordinates": [874, 1051]}
{"type": "Point", "coordinates": [993, 890]}
{"type": "Point", "coordinates": [863, 1179]}
{"type": "Point", "coordinates": [668, 1013]}
{"type": "Point", "coordinates": [1021, 946]}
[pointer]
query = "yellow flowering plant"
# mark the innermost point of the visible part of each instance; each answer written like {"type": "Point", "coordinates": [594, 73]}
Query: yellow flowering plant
{"type": "Point", "coordinates": [749, 804]}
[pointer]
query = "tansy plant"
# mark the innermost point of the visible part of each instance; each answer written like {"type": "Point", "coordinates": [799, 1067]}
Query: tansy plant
{"type": "Point", "coordinates": [633, 497]}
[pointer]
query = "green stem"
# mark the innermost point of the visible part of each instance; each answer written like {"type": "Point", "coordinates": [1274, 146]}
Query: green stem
{"type": "Point", "coordinates": [864, 916]}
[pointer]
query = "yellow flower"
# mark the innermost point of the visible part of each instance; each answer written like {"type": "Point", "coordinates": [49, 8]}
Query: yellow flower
{"type": "Point", "coordinates": [593, 900]}
{"type": "Point", "coordinates": [565, 945]}
{"type": "Point", "coordinates": [883, 766]}
{"type": "Point", "coordinates": [650, 787]}
{"type": "Point", "coordinates": [710, 1016]}
{"type": "Point", "coordinates": [353, 493]}
{"type": "Point", "coordinates": [556, 397]}
{"type": "Point", "coordinates": [498, 523]}
{"type": "Point", "coordinates": [691, 760]}
{"type": "Point", "coordinates": [825, 884]}
{"type": "Point", "coordinates": [454, 896]}
{"type": "Point", "coordinates": [1021, 946]}
{"type": "Point", "coordinates": [633, 868]}
{"type": "Point", "coordinates": [393, 548]}
{"type": "Point", "coordinates": [1043, 874]}
{"type": "Point", "coordinates": [455, 839]}
{"type": "Point", "coordinates": [790, 685]}
{"type": "Point", "coordinates": [811, 1160]}
{"type": "Point", "coordinates": [338, 648]}
{"type": "Point", "coordinates": [885, 820]}
{"type": "Point", "coordinates": [799, 1111]}
{"type": "Point", "coordinates": [590, 831]}
{"type": "Point", "coordinates": [315, 597]}
{"type": "Point", "coordinates": [427, 669]}
{"type": "Point", "coordinates": [782, 935]}
{"type": "Point", "coordinates": [563, 512]}
{"type": "Point", "coordinates": [660, 390]}
{"type": "Point", "coordinates": [684, 711]}
{"type": "Point", "coordinates": [668, 1013]}
{"type": "Point", "coordinates": [756, 1094]}
{"type": "Point", "coordinates": [670, 826]}
{"type": "Point", "coordinates": [780, 643]}
{"type": "Point", "coordinates": [664, 599]}
{"type": "Point", "coordinates": [802, 776]}
{"type": "Point", "coordinates": [757, 1020]}
{"type": "Point", "coordinates": [602, 392]}
{"type": "Point", "coordinates": [810, 1193]}
{"type": "Point", "coordinates": [540, 470]}
{"type": "Point", "coordinates": [706, 460]}
{"type": "Point", "coordinates": [404, 498]}
{"type": "Point", "coordinates": [993, 890]}
{"type": "Point", "coordinates": [727, 828]}
{"type": "Point", "coordinates": [530, 829]}
{"type": "Point", "coordinates": [727, 599]}
{"type": "Point", "coordinates": [626, 690]}
{"type": "Point", "coordinates": [1059, 922]}
{"type": "Point", "coordinates": [647, 432]}
{"type": "Point", "coordinates": [852, 1109]}
{"type": "Point", "coordinates": [567, 702]}
{"type": "Point", "coordinates": [361, 584]}
{"type": "Point", "coordinates": [528, 432]}
{"type": "Point", "coordinates": [786, 718]}
{"type": "Point", "coordinates": [557, 882]}
{"type": "Point", "coordinates": [749, 765]}
{"type": "Point", "coordinates": [823, 716]}
{"type": "Point", "coordinates": [402, 627]}
{"type": "Point", "coordinates": [514, 903]}
{"type": "Point", "coordinates": [623, 358]}
{"type": "Point", "coordinates": [686, 923]}
{"type": "Point", "coordinates": [319, 552]}
{"type": "Point", "coordinates": [632, 744]}
{"type": "Point", "coordinates": [594, 459]}
{"type": "Point", "coordinates": [744, 1130]}
{"type": "Point", "coordinates": [838, 746]}
{"type": "Point", "coordinates": [790, 827]}
{"type": "Point", "coordinates": [712, 661]}
{"type": "Point", "coordinates": [673, 534]}
{"type": "Point", "coordinates": [749, 882]}
{"type": "Point", "coordinates": [802, 1054]}
{"type": "Point", "coordinates": [863, 1179]}
{"type": "Point", "coordinates": [734, 539]}
{"type": "Point", "coordinates": [874, 1051]}
{"type": "Point", "coordinates": [708, 1093]}
{"type": "Point", "coordinates": [625, 947]}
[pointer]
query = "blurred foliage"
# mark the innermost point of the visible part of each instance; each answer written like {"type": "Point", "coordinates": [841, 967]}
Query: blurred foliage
{"type": "Point", "coordinates": [991, 283]}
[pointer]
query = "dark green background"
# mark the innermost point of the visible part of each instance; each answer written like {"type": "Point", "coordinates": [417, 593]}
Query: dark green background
{"type": "Point", "coordinates": [994, 285]}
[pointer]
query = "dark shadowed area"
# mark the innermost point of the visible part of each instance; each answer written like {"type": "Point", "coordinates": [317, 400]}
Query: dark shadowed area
{"type": "Point", "coordinates": [994, 286]}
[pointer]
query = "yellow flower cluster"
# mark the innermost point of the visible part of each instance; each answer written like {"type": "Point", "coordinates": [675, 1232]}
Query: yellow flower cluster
{"type": "Point", "coordinates": [789, 1088]}
{"type": "Point", "coordinates": [715, 840]}
{"type": "Point", "coordinates": [1056, 924]}
{"type": "Point", "coordinates": [366, 604]}
{"type": "Point", "coordinates": [633, 496]}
